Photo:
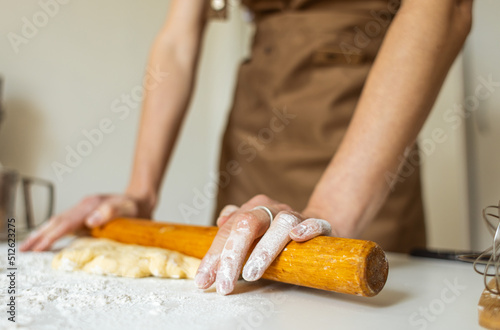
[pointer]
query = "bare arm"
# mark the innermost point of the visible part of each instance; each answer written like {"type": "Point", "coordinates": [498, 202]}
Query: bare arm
{"type": "Point", "coordinates": [419, 48]}
{"type": "Point", "coordinates": [402, 86]}
{"type": "Point", "coordinates": [174, 52]}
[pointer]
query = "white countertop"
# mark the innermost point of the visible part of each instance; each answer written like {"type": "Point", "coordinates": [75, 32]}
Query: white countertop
{"type": "Point", "coordinates": [419, 294]}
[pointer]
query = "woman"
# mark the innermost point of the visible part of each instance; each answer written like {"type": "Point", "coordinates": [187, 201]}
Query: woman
{"type": "Point", "coordinates": [317, 132]}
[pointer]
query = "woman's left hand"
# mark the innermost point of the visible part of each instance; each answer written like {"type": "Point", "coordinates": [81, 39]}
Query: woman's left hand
{"type": "Point", "coordinates": [239, 227]}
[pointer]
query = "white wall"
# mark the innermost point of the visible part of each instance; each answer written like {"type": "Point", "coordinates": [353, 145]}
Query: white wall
{"type": "Point", "coordinates": [454, 205]}
{"type": "Point", "coordinates": [482, 55]}
{"type": "Point", "coordinates": [444, 170]}
{"type": "Point", "coordinates": [64, 79]}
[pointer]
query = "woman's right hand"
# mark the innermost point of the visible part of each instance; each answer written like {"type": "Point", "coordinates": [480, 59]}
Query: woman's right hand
{"type": "Point", "coordinates": [91, 212]}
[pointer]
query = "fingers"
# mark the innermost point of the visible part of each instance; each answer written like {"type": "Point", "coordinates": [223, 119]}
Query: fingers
{"type": "Point", "coordinates": [112, 208]}
{"type": "Point", "coordinates": [247, 227]}
{"type": "Point", "coordinates": [50, 234]}
{"type": "Point", "coordinates": [271, 245]}
{"type": "Point", "coordinates": [309, 229]}
{"type": "Point", "coordinates": [71, 220]}
{"type": "Point", "coordinates": [226, 214]}
{"type": "Point", "coordinates": [286, 226]}
{"type": "Point", "coordinates": [34, 238]}
{"type": "Point", "coordinates": [223, 262]}
{"type": "Point", "coordinates": [205, 275]}
{"type": "Point", "coordinates": [92, 211]}
{"type": "Point", "coordinates": [239, 227]}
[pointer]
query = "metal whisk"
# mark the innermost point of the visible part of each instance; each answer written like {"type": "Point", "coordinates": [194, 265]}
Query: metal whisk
{"type": "Point", "coordinates": [492, 265]}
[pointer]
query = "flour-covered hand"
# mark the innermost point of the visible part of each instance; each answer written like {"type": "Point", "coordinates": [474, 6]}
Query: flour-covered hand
{"type": "Point", "coordinates": [239, 227]}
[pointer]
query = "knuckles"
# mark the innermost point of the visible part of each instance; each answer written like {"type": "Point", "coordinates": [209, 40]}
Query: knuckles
{"type": "Point", "coordinates": [107, 209]}
{"type": "Point", "coordinates": [284, 207]}
{"type": "Point", "coordinates": [54, 219]}
{"type": "Point", "coordinates": [288, 219]}
{"type": "Point", "coordinates": [246, 221]}
{"type": "Point", "coordinates": [130, 206]}
{"type": "Point", "coordinates": [89, 200]}
{"type": "Point", "coordinates": [261, 199]}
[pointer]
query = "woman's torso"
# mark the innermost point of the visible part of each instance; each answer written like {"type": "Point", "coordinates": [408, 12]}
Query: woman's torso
{"type": "Point", "coordinates": [294, 100]}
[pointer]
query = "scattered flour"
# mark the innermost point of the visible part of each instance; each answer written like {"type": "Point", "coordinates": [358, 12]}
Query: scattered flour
{"type": "Point", "coordinates": [51, 299]}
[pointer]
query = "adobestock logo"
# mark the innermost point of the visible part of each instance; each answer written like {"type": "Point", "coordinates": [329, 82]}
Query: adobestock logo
{"type": "Point", "coordinates": [250, 148]}
{"type": "Point", "coordinates": [436, 307]}
{"type": "Point", "coordinates": [121, 107]}
{"type": "Point", "coordinates": [266, 309]}
{"type": "Point", "coordinates": [31, 26]}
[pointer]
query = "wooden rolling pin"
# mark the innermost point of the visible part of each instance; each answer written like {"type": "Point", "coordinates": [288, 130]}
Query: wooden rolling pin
{"type": "Point", "coordinates": [329, 263]}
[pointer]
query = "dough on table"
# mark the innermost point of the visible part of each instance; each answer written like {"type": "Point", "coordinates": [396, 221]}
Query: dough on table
{"type": "Point", "coordinates": [107, 257]}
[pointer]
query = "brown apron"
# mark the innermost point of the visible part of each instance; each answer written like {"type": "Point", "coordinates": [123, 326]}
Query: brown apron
{"type": "Point", "coordinates": [293, 102]}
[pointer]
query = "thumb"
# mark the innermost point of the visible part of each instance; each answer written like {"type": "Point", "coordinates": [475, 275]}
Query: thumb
{"type": "Point", "coordinates": [110, 209]}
